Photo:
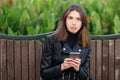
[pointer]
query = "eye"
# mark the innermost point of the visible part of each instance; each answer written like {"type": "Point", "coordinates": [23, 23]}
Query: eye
{"type": "Point", "coordinates": [70, 17]}
{"type": "Point", "coordinates": [78, 19]}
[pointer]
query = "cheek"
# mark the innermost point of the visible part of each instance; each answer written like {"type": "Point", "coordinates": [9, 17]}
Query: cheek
{"type": "Point", "coordinates": [67, 25]}
{"type": "Point", "coordinates": [79, 26]}
{"type": "Point", "coordinates": [80, 23]}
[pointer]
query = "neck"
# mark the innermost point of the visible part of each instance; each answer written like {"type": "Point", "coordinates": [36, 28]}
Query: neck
{"type": "Point", "coordinates": [72, 39]}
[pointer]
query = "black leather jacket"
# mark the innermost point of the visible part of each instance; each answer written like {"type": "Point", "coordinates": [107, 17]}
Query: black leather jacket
{"type": "Point", "coordinates": [54, 54]}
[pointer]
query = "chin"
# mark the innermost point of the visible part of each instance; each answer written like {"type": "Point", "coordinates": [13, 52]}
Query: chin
{"type": "Point", "coordinates": [73, 32]}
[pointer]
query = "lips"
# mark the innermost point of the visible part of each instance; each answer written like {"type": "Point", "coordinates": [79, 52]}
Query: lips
{"type": "Point", "coordinates": [73, 28]}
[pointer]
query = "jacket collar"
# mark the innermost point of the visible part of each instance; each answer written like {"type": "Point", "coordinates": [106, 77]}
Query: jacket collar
{"type": "Point", "coordinates": [67, 49]}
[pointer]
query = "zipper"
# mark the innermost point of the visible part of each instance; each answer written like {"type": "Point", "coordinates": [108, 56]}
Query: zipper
{"type": "Point", "coordinates": [63, 76]}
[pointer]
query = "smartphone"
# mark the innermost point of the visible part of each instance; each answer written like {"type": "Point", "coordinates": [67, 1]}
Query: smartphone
{"type": "Point", "coordinates": [74, 55]}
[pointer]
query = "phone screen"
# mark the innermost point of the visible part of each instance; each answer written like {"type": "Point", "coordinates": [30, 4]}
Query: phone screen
{"type": "Point", "coordinates": [74, 55]}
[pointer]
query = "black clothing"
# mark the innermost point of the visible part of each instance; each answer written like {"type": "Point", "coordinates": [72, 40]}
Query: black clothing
{"type": "Point", "coordinates": [72, 39]}
{"type": "Point", "coordinates": [54, 54]}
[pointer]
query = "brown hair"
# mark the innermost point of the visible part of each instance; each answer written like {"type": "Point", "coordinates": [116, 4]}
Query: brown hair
{"type": "Point", "coordinates": [61, 32]}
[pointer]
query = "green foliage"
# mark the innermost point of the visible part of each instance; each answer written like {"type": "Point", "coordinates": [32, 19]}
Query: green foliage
{"type": "Point", "coordinates": [102, 13]}
{"type": "Point", "coordinates": [29, 17]}
{"type": "Point", "coordinates": [116, 24]}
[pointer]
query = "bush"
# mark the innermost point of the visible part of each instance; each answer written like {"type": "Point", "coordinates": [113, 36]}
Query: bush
{"type": "Point", "coordinates": [30, 17]}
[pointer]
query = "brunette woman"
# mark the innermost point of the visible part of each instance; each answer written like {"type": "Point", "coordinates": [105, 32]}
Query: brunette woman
{"type": "Point", "coordinates": [66, 53]}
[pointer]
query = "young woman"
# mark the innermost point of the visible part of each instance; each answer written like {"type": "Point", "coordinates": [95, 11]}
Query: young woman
{"type": "Point", "coordinates": [66, 53]}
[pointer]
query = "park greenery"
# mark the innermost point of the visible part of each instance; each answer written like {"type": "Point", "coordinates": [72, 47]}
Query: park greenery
{"type": "Point", "coordinates": [30, 17]}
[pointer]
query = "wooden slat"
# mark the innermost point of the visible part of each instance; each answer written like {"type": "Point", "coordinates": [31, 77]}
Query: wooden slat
{"type": "Point", "coordinates": [99, 60]}
{"type": "Point", "coordinates": [117, 59]}
{"type": "Point", "coordinates": [38, 47]}
{"type": "Point", "coordinates": [31, 60]}
{"type": "Point", "coordinates": [111, 60]}
{"type": "Point", "coordinates": [10, 60]}
{"type": "Point", "coordinates": [92, 60]}
{"type": "Point", "coordinates": [20, 60]}
{"type": "Point", "coordinates": [17, 49]}
{"type": "Point", "coordinates": [0, 60]}
{"type": "Point", "coordinates": [105, 60]}
{"type": "Point", "coordinates": [25, 55]}
{"type": "Point", "coordinates": [3, 65]}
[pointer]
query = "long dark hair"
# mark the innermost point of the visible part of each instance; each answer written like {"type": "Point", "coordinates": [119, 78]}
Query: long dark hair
{"type": "Point", "coordinates": [61, 33]}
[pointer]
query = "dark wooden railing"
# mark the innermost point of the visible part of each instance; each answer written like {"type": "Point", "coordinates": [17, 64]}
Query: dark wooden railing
{"type": "Point", "coordinates": [20, 57]}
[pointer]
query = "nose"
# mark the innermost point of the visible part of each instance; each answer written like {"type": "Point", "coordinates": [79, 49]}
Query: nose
{"type": "Point", "coordinates": [74, 22]}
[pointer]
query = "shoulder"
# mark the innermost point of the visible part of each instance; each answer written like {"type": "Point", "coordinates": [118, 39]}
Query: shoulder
{"type": "Point", "coordinates": [50, 39]}
{"type": "Point", "coordinates": [88, 48]}
{"type": "Point", "coordinates": [51, 42]}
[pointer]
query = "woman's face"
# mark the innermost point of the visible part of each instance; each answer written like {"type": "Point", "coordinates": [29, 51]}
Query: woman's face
{"type": "Point", "coordinates": [73, 22]}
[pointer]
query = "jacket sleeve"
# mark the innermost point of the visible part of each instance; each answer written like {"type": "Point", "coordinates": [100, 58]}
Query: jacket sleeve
{"type": "Point", "coordinates": [48, 71]}
{"type": "Point", "coordinates": [83, 71]}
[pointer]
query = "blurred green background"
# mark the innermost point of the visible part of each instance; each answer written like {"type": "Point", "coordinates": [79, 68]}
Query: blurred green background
{"type": "Point", "coordinates": [30, 17]}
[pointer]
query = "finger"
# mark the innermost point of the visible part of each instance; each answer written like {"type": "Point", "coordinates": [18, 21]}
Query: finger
{"type": "Point", "coordinates": [67, 65]}
{"type": "Point", "coordinates": [77, 61]}
{"type": "Point", "coordinates": [75, 66]}
{"type": "Point", "coordinates": [68, 62]}
{"type": "Point", "coordinates": [68, 59]}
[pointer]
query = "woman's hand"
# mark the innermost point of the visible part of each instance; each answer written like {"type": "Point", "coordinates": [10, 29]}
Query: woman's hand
{"type": "Point", "coordinates": [76, 63]}
{"type": "Point", "coordinates": [66, 64]}
{"type": "Point", "coordinates": [69, 62]}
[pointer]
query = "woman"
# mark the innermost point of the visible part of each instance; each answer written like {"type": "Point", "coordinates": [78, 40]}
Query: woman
{"type": "Point", "coordinates": [59, 61]}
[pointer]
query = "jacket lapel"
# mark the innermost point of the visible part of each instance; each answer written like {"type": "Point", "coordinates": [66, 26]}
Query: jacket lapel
{"type": "Point", "coordinates": [67, 49]}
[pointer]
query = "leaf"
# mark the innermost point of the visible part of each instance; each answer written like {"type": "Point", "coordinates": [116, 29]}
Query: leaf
{"type": "Point", "coordinates": [37, 29]}
{"type": "Point", "coordinates": [117, 24]}
{"type": "Point", "coordinates": [97, 27]}
{"type": "Point", "coordinates": [10, 32]}
{"type": "Point", "coordinates": [25, 17]}
{"type": "Point", "coordinates": [30, 30]}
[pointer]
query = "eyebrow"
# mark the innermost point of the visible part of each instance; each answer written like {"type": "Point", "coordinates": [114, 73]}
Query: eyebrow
{"type": "Point", "coordinates": [72, 16]}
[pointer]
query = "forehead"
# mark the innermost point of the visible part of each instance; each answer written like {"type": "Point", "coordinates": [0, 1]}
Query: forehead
{"type": "Point", "coordinates": [74, 14]}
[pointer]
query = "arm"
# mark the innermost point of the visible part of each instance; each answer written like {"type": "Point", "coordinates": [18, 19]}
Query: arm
{"type": "Point", "coordinates": [48, 71]}
{"type": "Point", "coordinates": [83, 71]}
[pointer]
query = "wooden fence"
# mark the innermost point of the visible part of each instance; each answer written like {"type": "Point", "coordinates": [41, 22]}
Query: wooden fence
{"type": "Point", "coordinates": [20, 57]}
